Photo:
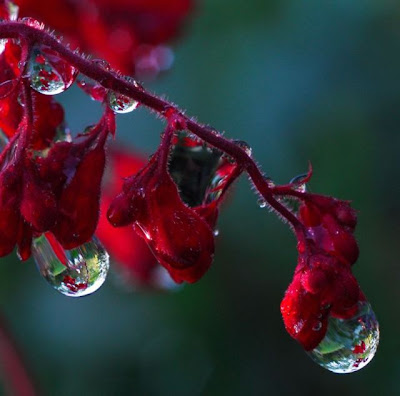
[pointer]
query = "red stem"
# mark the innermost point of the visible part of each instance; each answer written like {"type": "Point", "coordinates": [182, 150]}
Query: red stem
{"type": "Point", "coordinates": [15, 374]}
{"type": "Point", "coordinates": [117, 83]}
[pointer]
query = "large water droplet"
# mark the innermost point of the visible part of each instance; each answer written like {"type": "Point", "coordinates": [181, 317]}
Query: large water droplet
{"type": "Point", "coordinates": [48, 72]}
{"type": "Point", "coordinates": [120, 103]}
{"type": "Point", "coordinates": [349, 344]}
{"type": "Point", "coordinates": [74, 273]}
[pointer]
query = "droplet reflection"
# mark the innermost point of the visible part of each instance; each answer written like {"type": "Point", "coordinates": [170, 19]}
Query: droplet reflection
{"type": "Point", "coordinates": [74, 273]}
{"type": "Point", "coordinates": [349, 344]}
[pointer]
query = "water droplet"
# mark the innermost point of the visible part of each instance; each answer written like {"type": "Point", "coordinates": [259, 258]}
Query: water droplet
{"type": "Point", "coordinates": [74, 273]}
{"type": "Point", "coordinates": [200, 172]}
{"type": "Point", "coordinates": [262, 203]}
{"type": "Point", "coordinates": [120, 103]}
{"type": "Point", "coordinates": [301, 187]}
{"type": "Point", "coordinates": [48, 72]}
{"type": "Point", "coordinates": [244, 145]}
{"type": "Point", "coordinates": [102, 63]}
{"type": "Point", "coordinates": [216, 232]}
{"type": "Point", "coordinates": [349, 344]}
{"type": "Point", "coordinates": [32, 22]}
{"type": "Point", "coordinates": [317, 326]}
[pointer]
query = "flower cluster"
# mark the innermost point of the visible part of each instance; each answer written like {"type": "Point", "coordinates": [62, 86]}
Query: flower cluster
{"type": "Point", "coordinates": [158, 216]}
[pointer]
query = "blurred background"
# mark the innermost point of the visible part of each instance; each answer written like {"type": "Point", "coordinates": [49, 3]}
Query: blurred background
{"type": "Point", "coordinates": [298, 81]}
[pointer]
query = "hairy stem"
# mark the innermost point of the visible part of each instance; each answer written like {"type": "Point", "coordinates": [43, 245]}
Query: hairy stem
{"type": "Point", "coordinates": [118, 83]}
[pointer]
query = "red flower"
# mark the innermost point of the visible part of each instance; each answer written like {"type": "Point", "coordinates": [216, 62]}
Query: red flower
{"type": "Point", "coordinates": [131, 253]}
{"type": "Point", "coordinates": [115, 30]}
{"type": "Point", "coordinates": [323, 284]}
{"type": "Point", "coordinates": [56, 190]}
{"type": "Point", "coordinates": [177, 226]}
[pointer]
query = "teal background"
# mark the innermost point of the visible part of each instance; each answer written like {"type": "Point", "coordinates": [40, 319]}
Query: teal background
{"type": "Point", "coordinates": [298, 80]}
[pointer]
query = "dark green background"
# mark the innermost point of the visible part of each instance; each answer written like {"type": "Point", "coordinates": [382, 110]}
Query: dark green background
{"type": "Point", "coordinates": [299, 80]}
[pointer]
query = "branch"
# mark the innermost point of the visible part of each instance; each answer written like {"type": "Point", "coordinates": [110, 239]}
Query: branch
{"type": "Point", "coordinates": [118, 83]}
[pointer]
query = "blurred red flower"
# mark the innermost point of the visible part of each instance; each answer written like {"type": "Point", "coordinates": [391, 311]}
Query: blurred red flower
{"type": "Point", "coordinates": [127, 33]}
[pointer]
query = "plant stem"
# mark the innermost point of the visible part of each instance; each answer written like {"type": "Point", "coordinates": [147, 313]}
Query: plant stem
{"type": "Point", "coordinates": [120, 84]}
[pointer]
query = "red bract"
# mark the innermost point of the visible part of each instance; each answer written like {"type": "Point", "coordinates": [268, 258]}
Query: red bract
{"type": "Point", "coordinates": [74, 171]}
{"type": "Point", "coordinates": [323, 284]}
{"type": "Point", "coordinates": [180, 236]}
{"type": "Point", "coordinates": [125, 246]}
{"type": "Point", "coordinates": [112, 29]}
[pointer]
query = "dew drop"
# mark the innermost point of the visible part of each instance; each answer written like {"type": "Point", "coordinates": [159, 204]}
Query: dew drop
{"type": "Point", "coordinates": [120, 103]}
{"type": "Point", "coordinates": [75, 273]}
{"type": "Point", "coordinates": [48, 72]}
{"type": "Point", "coordinates": [262, 203]}
{"type": "Point", "coordinates": [301, 187]}
{"type": "Point", "coordinates": [102, 63]}
{"type": "Point", "coordinates": [32, 22]}
{"type": "Point", "coordinates": [216, 232]}
{"type": "Point", "coordinates": [349, 344]}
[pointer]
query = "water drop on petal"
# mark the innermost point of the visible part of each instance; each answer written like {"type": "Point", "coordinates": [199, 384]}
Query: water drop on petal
{"type": "Point", "coordinates": [48, 72]}
{"type": "Point", "coordinates": [74, 273]}
{"type": "Point", "coordinates": [349, 344]}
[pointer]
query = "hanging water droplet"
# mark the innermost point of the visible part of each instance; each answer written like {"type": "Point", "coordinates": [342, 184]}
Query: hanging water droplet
{"type": "Point", "coordinates": [74, 273]}
{"type": "Point", "coordinates": [244, 145]}
{"type": "Point", "coordinates": [48, 72]}
{"type": "Point", "coordinates": [262, 203]}
{"type": "Point", "coordinates": [297, 180]}
{"type": "Point", "coordinates": [32, 22]}
{"type": "Point", "coordinates": [120, 103]}
{"type": "Point", "coordinates": [349, 344]}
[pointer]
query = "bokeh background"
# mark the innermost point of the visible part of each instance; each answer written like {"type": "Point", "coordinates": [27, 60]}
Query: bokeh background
{"type": "Point", "coordinates": [298, 81]}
